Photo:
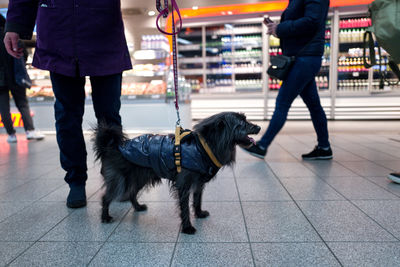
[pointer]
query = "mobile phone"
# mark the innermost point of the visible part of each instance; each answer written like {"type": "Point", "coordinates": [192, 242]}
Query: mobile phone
{"type": "Point", "coordinates": [267, 20]}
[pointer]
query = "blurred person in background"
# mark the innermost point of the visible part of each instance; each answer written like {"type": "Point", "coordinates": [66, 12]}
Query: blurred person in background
{"type": "Point", "coordinates": [302, 34]}
{"type": "Point", "coordinates": [7, 85]}
{"type": "Point", "coordinates": [75, 39]}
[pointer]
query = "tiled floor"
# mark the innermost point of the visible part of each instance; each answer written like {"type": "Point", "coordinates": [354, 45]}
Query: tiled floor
{"type": "Point", "coordinates": [278, 212]}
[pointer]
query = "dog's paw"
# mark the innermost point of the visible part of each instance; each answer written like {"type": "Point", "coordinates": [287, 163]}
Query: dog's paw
{"type": "Point", "coordinates": [202, 214]}
{"type": "Point", "coordinates": [141, 208]}
{"type": "Point", "coordinates": [190, 230]}
{"type": "Point", "coordinates": [107, 219]}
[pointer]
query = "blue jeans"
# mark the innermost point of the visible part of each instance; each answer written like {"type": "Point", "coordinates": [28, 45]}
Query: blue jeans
{"type": "Point", "coordinates": [300, 81]}
{"type": "Point", "coordinates": [69, 108]}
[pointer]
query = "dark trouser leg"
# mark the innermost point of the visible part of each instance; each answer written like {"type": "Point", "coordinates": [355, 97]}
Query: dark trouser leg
{"type": "Point", "coordinates": [69, 109]}
{"type": "Point", "coordinates": [5, 111]}
{"type": "Point", "coordinates": [302, 73]}
{"type": "Point", "coordinates": [19, 94]}
{"type": "Point", "coordinates": [106, 95]}
{"type": "Point", "coordinates": [311, 99]}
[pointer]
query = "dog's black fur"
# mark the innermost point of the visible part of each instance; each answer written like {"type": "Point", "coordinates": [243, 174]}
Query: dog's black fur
{"type": "Point", "coordinates": [222, 133]}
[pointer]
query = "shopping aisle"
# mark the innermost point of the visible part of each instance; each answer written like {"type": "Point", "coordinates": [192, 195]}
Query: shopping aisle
{"type": "Point", "coordinates": [277, 212]}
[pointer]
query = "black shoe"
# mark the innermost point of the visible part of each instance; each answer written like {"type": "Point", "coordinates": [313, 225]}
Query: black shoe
{"type": "Point", "coordinates": [318, 154]}
{"type": "Point", "coordinates": [256, 151]}
{"type": "Point", "coordinates": [395, 177]}
{"type": "Point", "coordinates": [76, 197]}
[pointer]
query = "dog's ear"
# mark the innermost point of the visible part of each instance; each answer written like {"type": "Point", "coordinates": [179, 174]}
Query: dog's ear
{"type": "Point", "coordinates": [220, 125]}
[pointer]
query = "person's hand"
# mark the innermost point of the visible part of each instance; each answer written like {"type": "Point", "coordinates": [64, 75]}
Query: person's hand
{"type": "Point", "coordinates": [272, 28]}
{"type": "Point", "coordinates": [11, 40]}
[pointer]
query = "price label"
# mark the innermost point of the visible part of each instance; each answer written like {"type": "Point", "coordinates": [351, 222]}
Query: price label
{"type": "Point", "coordinates": [155, 96]}
{"type": "Point", "coordinates": [356, 74]}
{"type": "Point", "coordinates": [40, 98]}
{"type": "Point", "coordinates": [131, 97]}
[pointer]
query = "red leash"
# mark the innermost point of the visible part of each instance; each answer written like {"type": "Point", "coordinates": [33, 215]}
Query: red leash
{"type": "Point", "coordinates": [164, 13]}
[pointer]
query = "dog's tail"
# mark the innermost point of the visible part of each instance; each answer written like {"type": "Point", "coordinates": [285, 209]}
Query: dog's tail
{"type": "Point", "coordinates": [107, 138]}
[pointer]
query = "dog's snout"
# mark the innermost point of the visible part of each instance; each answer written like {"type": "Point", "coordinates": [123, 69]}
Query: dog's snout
{"type": "Point", "coordinates": [255, 129]}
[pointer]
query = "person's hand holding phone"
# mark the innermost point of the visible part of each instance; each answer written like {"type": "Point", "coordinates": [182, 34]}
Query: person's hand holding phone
{"type": "Point", "coordinates": [271, 26]}
{"type": "Point", "coordinates": [11, 41]}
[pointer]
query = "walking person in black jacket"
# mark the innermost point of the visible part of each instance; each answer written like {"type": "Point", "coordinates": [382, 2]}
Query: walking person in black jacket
{"type": "Point", "coordinates": [302, 34]}
{"type": "Point", "coordinates": [7, 84]}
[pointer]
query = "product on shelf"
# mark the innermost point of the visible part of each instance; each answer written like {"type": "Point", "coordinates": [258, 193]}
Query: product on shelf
{"type": "Point", "coordinates": [274, 84]}
{"type": "Point", "coordinates": [355, 23]}
{"type": "Point", "coordinates": [154, 42]}
{"type": "Point", "coordinates": [145, 88]}
{"type": "Point", "coordinates": [353, 85]}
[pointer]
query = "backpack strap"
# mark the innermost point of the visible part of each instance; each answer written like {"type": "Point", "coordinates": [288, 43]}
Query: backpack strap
{"type": "Point", "coordinates": [180, 135]}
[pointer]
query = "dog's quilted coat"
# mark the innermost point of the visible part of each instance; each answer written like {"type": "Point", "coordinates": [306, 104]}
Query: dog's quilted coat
{"type": "Point", "coordinates": [156, 152]}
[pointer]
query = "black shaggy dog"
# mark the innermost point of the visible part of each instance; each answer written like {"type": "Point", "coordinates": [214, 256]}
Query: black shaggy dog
{"type": "Point", "coordinates": [122, 177]}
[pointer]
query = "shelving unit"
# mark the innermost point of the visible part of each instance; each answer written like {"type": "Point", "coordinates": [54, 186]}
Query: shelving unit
{"type": "Point", "coordinates": [231, 58]}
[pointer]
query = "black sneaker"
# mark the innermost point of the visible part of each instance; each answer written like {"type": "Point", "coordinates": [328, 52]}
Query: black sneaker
{"type": "Point", "coordinates": [395, 177]}
{"type": "Point", "coordinates": [318, 154]}
{"type": "Point", "coordinates": [256, 151]}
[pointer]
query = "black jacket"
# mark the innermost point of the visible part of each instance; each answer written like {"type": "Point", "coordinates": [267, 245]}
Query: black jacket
{"type": "Point", "coordinates": [302, 21]}
{"type": "Point", "coordinates": [157, 152]}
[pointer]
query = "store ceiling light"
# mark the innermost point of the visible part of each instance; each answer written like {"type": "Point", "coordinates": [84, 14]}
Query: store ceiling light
{"type": "Point", "coordinates": [195, 7]}
{"type": "Point", "coordinates": [151, 13]}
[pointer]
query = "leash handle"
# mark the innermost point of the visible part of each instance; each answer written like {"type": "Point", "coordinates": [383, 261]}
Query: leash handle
{"type": "Point", "coordinates": [164, 13]}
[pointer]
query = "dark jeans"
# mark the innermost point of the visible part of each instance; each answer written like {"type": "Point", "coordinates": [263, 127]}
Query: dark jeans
{"type": "Point", "coordinates": [301, 81]}
{"type": "Point", "coordinates": [19, 95]}
{"type": "Point", "coordinates": [69, 108]}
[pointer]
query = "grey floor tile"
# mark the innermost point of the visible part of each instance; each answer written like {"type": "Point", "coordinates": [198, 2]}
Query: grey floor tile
{"type": "Point", "coordinates": [328, 168]}
{"type": "Point", "coordinates": [269, 222]}
{"type": "Point", "coordinates": [359, 188]}
{"type": "Point", "coordinates": [342, 155]}
{"type": "Point", "coordinates": [310, 189]}
{"type": "Point", "coordinates": [366, 168]}
{"type": "Point", "coordinates": [160, 223]}
{"type": "Point", "coordinates": [85, 224]}
{"type": "Point", "coordinates": [10, 250]}
{"type": "Point", "coordinates": [134, 254]}
{"type": "Point", "coordinates": [9, 208]}
{"type": "Point", "coordinates": [386, 183]}
{"type": "Point", "coordinates": [261, 189]}
{"type": "Point", "coordinates": [253, 169]}
{"type": "Point", "coordinates": [385, 212]}
{"type": "Point", "coordinates": [30, 224]}
{"type": "Point", "coordinates": [393, 165]}
{"type": "Point", "coordinates": [226, 172]}
{"type": "Point", "coordinates": [341, 221]}
{"type": "Point", "coordinates": [8, 184]}
{"type": "Point", "coordinates": [278, 154]}
{"type": "Point", "coordinates": [293, 254]}
{"type": "Point", "coordinates": [212, 254]}
{"type": "Point", "coordinates": [367, 254]}
{"type": "Point", "coordinates": [290, 169]}
{"type": "Point", "coordinates": [58, 254]}
{"type": "Point", "coordinates": [220, 189]}
{"type": "Point", "coordinates": [33, 190]}
{"type": "Point", "coordinates": [225, 224]}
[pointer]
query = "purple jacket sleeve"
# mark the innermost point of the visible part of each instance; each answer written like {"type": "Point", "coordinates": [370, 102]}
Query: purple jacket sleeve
{"type": "Point", "coordinates": [21, 17]}
{"type": "Point", "coordinates": [313, 12]}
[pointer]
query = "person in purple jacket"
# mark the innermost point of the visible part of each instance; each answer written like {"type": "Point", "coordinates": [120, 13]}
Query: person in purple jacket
{"type": "Point", "coordinates": [75, 38]}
